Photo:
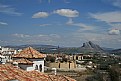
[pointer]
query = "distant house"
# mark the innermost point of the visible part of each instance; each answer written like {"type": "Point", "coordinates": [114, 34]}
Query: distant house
{"type": "Point", "coordinates": [2, 59]}
{"type": "Point", "coordinates": [30, 59]}
{"type": "Point", "coordinates": [5, 54]}
{"type": "Point", "coordinates": [5, 51]}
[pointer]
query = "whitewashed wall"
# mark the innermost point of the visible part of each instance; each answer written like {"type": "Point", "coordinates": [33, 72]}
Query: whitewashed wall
{"type": "Point", "coordinates": [26, 67]}
{"type": "Point", "coordinates": [38, 62]}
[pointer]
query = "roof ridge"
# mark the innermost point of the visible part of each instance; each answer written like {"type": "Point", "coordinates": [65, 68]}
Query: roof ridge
{"type": "Point", "coordinates": [29, 52]}
{"type": "Point", "coordinates": [23, 60]}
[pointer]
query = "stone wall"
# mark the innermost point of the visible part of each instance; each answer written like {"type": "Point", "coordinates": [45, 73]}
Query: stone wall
{"type": "Point", "coordinates": [62, 65]}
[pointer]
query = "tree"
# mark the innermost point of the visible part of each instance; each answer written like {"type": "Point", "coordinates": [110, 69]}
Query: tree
{"type": "Point", "coordinates": [50, 58]}
{"type": "Point", "coordinates": [114, 73]}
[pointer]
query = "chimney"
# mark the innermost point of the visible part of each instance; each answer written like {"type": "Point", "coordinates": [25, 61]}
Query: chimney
{"type": "Point", "coordinates": [15, 64]}
{"type": "Point", "coordinates": [55, 71]}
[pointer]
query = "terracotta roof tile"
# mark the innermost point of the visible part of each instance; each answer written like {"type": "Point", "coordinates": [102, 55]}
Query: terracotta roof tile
{"type": "Point", "coordinates": [9, 72]}
{"type": "Point", "coordinates": [60, 78]}
{"type": "Point", "coordinates": [29, 53]}
{"type": "Point", "coordinates": [23, 61]}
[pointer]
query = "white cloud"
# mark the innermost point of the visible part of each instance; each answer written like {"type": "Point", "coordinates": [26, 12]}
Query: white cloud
{"type": "Point", "coordinates": [70, 21]}
{"type": "Point", "coordinates": [65, 1]}
{"type": "Point", "coordinates": [116, 25]}
{"type": "Point", "coordinates": [21, 35]}
{"type": "Point", "coordinates": [8, 10]}
{"type": "Point", "coordinates": [3, 23]}
{"type": "Point", "coordinates": [44, 24]}
{"type": "Point", "coordinates": [117, 3]}
{"type": "Point", "coordinates": [74, 39]}
{"type": "Point", "coordinates": [40, 15]}
{"type": "Point", "coordinates": [36, 39]}
{"type": "Point", "coordinates": [111, 18]}
{"type": "Point", "coordinates": [114, 32]}
{"type": "Point", "coordinates": [40, 35]}
{"type": "Point", "coordinates": [49, 1]}
{"type": "Point", "coordinates": [55, 36]}
{"type": "Point", "coordinates": [108, 17]}
{"type": "Point", "coordinates": [83, 26]}
{"type": "Point", "coordinates": [48, 37]}
{"type": "Point", "coordinates": [102, 39]}
{"type": "Point", "coordinates": [1, 41]}
{"type": "Point", "coordinates": [67, 12]}
{"type": "Point", "coordinates": [4, 42]}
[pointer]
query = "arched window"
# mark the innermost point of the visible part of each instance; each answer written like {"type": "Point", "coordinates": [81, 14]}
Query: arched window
{"type": "Point", "coordinates": [36, 67]}
{"type": "Point", "coordinates": [40, 67]}
{"type": "Point", "coordinates": [76, 57]}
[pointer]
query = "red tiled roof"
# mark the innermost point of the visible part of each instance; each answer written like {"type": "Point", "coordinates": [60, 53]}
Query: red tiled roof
{"type": "Point", "coordinates": [9, 72]}
{"type": "Point", "coordinates": [29, 53]}
{"type": "Point", "coordinates": [60, 78]}
{"type": "Point", "coordinates": [23, 61]}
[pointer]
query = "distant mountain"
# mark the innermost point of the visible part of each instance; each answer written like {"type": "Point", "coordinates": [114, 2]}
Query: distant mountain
{"type": "Point", "coordinates": [91, 47]}
{"type": "Point", "coordinates": [116, 51]}
{"type": "Point", "coordinates": [85, 48]}
{"type": "Point", "coordinates": [39, 46]}
{"type": "Point", "coordinates": [107, 49]}
{"type": "Point", "coordinates": [32, 45]}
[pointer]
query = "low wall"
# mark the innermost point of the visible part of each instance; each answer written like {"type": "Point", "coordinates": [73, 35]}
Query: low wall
{"type": "Point", "coordinates": [62, 65]}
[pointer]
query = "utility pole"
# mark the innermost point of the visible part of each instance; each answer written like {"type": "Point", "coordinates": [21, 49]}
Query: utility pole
{"type": "Point", "coordinates": [58, 50]}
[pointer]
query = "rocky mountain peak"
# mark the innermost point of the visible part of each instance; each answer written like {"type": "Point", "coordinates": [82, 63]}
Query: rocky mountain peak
{"type": "Point", "coordinates": [91, 46]}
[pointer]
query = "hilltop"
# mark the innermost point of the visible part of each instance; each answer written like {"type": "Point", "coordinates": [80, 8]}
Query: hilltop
{"type": "Point", "coordinates": [85, 48]}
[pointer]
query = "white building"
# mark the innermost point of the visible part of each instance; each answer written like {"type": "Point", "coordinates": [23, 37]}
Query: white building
{"type": "Point", "coordinates": [4, 51]}
{"type": "Point", "coordinates": [29, 59]}
{"type": "Point", "coordinates": [5, 54]}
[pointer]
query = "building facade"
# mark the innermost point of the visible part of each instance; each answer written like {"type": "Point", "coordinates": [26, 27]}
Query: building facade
{"type": "Point", "coordinates": [30, 55]}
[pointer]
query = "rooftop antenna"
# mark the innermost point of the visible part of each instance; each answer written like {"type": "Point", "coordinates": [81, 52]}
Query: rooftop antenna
{"type": "Point", "coordinates": [55, 71]}
{"type": "Point", "coordinates": [58, 50]}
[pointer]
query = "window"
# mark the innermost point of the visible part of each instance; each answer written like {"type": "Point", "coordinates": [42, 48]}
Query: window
{"type": "Point", "coordinates": [36, 67]}
{"type": "Point", "coordinates": [40, 67]}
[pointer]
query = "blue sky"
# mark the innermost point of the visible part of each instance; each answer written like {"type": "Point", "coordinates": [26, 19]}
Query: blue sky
{"type": "Point", "coordinates": [60, 22]}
